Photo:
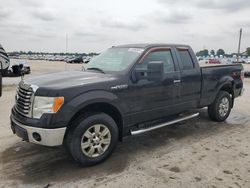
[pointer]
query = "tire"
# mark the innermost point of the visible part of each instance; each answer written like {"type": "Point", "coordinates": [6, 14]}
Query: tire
{"type": "Point", "coordinates": [220, 109]}
{"type": "Point", "coordinates": [97, 134]}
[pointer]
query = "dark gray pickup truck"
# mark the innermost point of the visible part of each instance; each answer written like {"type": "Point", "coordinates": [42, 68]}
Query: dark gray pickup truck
{"type": "Point", "coordinates": [127, 90]}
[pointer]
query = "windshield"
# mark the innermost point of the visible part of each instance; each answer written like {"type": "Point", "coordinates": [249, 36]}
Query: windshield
{"type": "Point", "coordinates": [114, 59]}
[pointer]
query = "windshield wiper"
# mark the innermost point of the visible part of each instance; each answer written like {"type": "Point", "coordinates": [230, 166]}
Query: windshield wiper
{"type": "Point", "coordinates": [95, 68]}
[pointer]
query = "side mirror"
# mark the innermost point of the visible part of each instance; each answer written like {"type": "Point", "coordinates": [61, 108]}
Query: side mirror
{"type": "Point", "coordinates": [155, 71]}
{"type": "Point", "coordinates": [139, 74]}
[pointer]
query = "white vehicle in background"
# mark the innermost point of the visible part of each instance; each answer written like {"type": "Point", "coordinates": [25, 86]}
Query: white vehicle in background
{"type": "Point", "coordinates": [248, 60]}
{"type": "Point", "coordinates": [228, 61]}
{"type": "Point", "coordinates": [4, 65]}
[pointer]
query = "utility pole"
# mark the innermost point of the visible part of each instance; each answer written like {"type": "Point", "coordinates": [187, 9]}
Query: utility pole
{"type": "Point", "coordinates": [239, 45]}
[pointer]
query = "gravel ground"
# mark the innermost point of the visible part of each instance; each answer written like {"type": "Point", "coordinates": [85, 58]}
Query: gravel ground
{"type": "Point", "coordinates": [196, 153]}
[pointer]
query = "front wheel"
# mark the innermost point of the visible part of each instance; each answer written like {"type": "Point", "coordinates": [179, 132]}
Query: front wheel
{"type": "Point", "coordinates": [220, 109]}
{"type": "Point", "coordinates": [93, 140]}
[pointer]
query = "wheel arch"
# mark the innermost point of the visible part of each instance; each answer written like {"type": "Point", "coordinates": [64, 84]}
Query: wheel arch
{"type": "Point", "coordinates": [227, 84]}
{"type": "Point", "coordinates": [99, 107]}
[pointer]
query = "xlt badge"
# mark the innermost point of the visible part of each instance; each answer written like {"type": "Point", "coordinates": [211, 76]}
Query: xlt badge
{"type": "Point", "coordinates": [119, 87]}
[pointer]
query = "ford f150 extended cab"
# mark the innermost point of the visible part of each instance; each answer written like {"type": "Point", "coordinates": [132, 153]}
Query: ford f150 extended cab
{"type": "Point", "coordinates": [127, 90]}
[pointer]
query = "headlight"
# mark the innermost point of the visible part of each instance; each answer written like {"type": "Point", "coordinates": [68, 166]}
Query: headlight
{"type": "Point", "coordinates": [46, 105]}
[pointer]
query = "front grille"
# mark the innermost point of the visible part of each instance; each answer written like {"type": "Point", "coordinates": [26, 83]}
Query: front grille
{"type": "Point", "coordinates": [24, 99]}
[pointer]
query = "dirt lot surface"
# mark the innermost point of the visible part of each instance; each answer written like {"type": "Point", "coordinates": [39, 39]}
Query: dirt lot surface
{"type": "Point", "coordinates": [196, 153]}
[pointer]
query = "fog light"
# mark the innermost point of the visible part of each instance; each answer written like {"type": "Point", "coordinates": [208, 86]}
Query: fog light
{"type": "Point", "coordinates": [36, 136]}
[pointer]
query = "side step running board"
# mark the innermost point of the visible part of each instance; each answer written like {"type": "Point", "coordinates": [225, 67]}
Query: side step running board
{"type": "Point", "coordinates": [139, 131]}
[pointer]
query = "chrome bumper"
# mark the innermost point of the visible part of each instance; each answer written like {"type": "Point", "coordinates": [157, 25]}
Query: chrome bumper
{"type": "Point", "coordinates": [46, 137]}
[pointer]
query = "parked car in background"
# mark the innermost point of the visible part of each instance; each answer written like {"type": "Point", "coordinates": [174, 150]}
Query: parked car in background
{"type": "Point", "coordinates": [17, 69]}
{"type": "Point", "coordinates": [78, 59]}
{"type": "Point", "coordinates": [86, 59]}
{"type": "Point", "coordinates": [239, 60]}
{"type": "Point", "coordinates": [248, 60]}
{"type": "Point", "coordinates": [213, 61]}
{"type": "Point", "coordinates": [247, 74]}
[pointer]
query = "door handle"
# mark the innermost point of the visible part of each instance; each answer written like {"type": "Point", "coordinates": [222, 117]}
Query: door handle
{"type": "Point", "coordinates": [177, 81]}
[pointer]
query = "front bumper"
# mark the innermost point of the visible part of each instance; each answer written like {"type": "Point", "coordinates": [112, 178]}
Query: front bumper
{"type": "Point", "coordinates": [42, 136]}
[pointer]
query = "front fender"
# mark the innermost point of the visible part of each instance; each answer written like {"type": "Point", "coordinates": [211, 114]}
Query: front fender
{"type": "Point", "coordinates": [85, 99]}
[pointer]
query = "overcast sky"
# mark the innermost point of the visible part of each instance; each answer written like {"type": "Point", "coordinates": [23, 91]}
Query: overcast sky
{"type": "Point", "coordinates": [95, 25]}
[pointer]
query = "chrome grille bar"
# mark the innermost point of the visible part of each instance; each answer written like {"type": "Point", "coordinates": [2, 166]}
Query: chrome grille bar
{"type": "Point", "coordinates": [24, 99]}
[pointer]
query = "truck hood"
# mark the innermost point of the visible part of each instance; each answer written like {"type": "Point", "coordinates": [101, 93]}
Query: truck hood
{"type": "Point", "coordinates": [68, 79]}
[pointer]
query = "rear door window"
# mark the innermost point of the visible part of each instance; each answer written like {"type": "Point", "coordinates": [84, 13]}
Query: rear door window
{"type": "Point", "coordinates": [186, 60]}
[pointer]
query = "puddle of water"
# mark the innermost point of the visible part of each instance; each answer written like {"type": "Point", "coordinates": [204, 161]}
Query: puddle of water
{"type": "Point", "coordinates": [30, 163]}
{"type": "Point", "coordinates": [237, 118]}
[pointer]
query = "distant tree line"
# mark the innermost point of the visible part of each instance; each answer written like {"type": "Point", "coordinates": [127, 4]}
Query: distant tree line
{"type": "Point", "coordinates": [219, 52]}
{"type": "Point", "coordinates": [248, 51]}
{"type": "Point", "coordinates": [205, 52]}
{"type": "Point", "coordinates": [16, 53]}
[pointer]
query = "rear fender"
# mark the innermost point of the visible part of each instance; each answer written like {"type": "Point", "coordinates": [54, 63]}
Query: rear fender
{"type": "Point", "coordinates": [227, 84]}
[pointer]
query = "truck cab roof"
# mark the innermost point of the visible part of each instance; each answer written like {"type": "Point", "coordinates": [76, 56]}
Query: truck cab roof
{"type": "Point", "coordinates": [151, 45]}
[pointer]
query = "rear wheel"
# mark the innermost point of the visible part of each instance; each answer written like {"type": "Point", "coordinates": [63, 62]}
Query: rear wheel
{"type": "Point", "coordinates": [220, 109]}
{"type": "Point", "coordinates": [93, 140]}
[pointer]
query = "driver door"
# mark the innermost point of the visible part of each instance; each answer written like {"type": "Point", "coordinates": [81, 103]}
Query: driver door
{"type": "Point", "coordinates": [151, 100]}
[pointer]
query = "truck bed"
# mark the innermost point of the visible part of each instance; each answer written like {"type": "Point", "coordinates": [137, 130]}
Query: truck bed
{"type": "Point", "coordinates": [205, 65]}
{"type": "Point", "coordinates": [216, 74]}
